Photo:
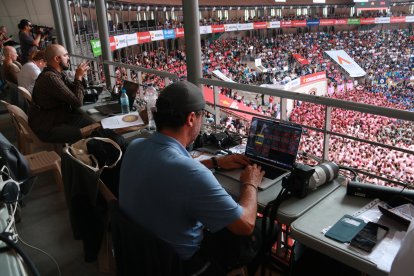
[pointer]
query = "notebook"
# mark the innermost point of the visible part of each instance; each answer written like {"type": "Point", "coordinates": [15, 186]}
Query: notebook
{"type": "Point", "coordinates": [115, 108]}
{"type": "Point", "coordinates": [273, 146]}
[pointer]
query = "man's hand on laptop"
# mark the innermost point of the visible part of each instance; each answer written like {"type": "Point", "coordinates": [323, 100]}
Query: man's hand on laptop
{"type": "Point", "coordinates": [252, 175]}
{"type": "Point", "coordinates": [233, 161]}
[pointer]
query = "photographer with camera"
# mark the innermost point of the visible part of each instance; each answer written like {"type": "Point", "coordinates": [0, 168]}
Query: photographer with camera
{"type": "Point", "coordinates": [28, 43]}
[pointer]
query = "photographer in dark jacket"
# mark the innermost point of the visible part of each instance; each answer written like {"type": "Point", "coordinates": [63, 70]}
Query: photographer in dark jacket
{"type": "Point", "coordinates": [28, 43]}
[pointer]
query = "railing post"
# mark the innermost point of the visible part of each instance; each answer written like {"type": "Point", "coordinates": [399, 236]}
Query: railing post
{"type": "Point", "coordinates": [326, 136]}
{"type": "Point", "coordinates": [283, 107]}
{"type": "Point", "coordinates": [58, 22]}
{"type": "Point", "coordinates": [140, 88]}
{"type": "Point", "coordinates": [67, 26]}
{"type": "Point", "coordinates": [216, 108]}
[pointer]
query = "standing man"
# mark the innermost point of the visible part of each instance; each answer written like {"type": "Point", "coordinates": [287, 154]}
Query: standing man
{"type": "Point", "coordinates": [11, 67]}
{"type": "Point", "coordinates": [28, 43]}
{"type": "Point", "coordinates": [178, 198]}
{"type": "Point", "coordinates": [53, 113]}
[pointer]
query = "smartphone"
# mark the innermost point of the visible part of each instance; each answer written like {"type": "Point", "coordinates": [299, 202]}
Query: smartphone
{"type": "Point", "coordinates": [369, 236]}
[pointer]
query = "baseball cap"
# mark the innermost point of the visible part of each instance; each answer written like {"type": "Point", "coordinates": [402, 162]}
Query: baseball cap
{"type": "Point", "coordinates": [181, 96]}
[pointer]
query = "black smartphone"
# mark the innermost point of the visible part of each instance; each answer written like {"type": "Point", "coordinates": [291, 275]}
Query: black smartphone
{"type": "Point", "coordinates": [369, 236]}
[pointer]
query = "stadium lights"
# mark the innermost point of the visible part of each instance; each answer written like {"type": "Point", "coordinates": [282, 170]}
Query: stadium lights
{"type": "Point", "coordinates": [148, 8]}
{"type": "Point", "coordinates": [280, 1]}
{"type": "Point", "coordinates": [139, 8]}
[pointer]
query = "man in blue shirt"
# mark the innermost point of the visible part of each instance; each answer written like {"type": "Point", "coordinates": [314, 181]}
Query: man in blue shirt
{"type": "Point", "coordinates": [176, 197]}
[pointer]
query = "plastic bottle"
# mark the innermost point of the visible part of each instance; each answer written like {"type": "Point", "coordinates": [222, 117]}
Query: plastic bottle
{"type": "Point", "coordinates": [151, 97]}
{"type": "Point", "coordinates": [124, 102]}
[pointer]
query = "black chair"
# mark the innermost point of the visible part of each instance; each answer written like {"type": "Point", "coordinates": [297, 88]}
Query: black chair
{"type": "Point", "coordinates": [139, 252]}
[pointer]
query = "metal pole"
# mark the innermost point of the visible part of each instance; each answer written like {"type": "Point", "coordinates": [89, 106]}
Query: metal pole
{"type": "Point", "coordinates": [67, 27]}
{"type": "Point", "coordinates": [100, 7]}
{"type": "Point", "coordinates": [58, 22]}
{"type": "Point", "coordinates": [192, 40]}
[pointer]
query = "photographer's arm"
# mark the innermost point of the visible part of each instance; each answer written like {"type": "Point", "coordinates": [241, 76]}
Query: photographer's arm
{"type": "Point", "coordinates": [36, 40]}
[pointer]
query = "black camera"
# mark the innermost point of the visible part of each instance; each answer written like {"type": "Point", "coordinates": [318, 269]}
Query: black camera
{"type": "Point", "coordinates": [42, 30]}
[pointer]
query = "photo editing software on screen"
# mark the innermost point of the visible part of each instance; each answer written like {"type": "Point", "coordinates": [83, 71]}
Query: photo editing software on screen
{"type": "Point", "coordinates": [274, 142]}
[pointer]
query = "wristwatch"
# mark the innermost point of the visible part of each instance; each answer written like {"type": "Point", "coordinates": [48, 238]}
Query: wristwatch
{"type": "Point", "coordinates": [215, 163]}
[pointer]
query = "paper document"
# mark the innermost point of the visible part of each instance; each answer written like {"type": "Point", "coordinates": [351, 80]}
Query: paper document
{"type": "Point", "coordinates": [121, 121]}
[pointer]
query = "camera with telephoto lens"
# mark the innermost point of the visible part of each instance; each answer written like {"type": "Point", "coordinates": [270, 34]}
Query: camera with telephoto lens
{"type": "Point", "coordinates": [304, 178]}
{"type": "Point", "coordinates": [42, 30]}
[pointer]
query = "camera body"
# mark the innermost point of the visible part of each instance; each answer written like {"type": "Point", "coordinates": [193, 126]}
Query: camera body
{"type": "Point", "coordinates": [42, 30]}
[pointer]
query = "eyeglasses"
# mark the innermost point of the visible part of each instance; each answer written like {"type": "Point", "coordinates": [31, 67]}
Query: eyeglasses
{"type": "Point", "coordinates": [30, 25]}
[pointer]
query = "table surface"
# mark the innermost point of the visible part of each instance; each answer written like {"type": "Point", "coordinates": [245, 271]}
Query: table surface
{"type": "Point", "coordinates": [291, 208]}
{"type": "Point", "coordinates": [308, 230]}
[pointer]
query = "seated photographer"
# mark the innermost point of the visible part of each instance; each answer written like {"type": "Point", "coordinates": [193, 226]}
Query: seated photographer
{"type": "Point", "coordinates": [28, 43]}
{"type": "Point", "coordinates": [53, 113]}
{"type": "Point", "coordinates": [189, 209]}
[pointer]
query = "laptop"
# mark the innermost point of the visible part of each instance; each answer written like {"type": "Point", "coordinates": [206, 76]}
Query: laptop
{"type": "Point", "coordinates": [115, 108]}
{"type": "Point", "coordinates": [273, 146]}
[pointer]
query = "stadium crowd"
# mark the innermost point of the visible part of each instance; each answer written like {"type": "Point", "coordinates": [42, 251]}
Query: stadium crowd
{"type": "Point", "coordinates": [387, 57]}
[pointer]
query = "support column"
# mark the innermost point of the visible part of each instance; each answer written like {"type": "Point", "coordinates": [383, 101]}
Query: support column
{"type": "Point", "coordinates": [101, 16]}
{"type": "Point", "coordinates": [192, 40]}
{"type": "Point", "coordinates": [67, 27]}
{"type": "Point", "coordinates": [58, 23]}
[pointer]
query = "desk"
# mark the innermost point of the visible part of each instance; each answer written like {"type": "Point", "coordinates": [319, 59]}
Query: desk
{"type": "Point", "coordinates": [307, 229]}
{"type": "Point", "coordinates": [291, 208]}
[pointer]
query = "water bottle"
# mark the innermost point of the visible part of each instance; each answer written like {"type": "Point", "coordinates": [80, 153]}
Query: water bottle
{"type": "Point", "coordinates": [124, 102]}
{"type": "Point", "coordinates": [151, 97]}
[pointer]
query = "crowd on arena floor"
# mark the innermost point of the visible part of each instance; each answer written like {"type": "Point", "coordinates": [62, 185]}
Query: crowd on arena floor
{"type": "Point", "coordinates": [385, 55]}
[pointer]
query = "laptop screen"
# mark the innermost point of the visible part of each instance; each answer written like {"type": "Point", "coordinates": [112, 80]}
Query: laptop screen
{"type": "Point", "coordinates": [273, 142]}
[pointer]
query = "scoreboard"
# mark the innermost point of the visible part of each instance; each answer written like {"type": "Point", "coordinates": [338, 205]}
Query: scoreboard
{"type": "Point", "coordinates": [372, 5]}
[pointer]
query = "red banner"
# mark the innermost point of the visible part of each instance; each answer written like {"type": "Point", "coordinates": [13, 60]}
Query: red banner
{"type": "Point", "coordinates": [340, 22]}
{"type": "Point", "coordinates": [286, 23]}
{"type": "Point", "coordinates": [217, 29]}
{"type": "Point", "coordinates": [326, 22]}
{"type": "Point", "coordinates": [300, 59]}
{"type": "Point", "coordinates": [313, 77]}
{"type": "Point", "coordinates": [179, 32]}
{"type": "Point", "coordinates": [112, 43]}
{"type": "Point", "coordinates": [260, 25]}
{"type": "Point", "coordinates": [299, 23]}
{"type": "Point", "coordinates": [144, 37]}
{"type": "Point", "coordinates": [367, 21]}
{"type": "Point", "coordinates": [397, 19]}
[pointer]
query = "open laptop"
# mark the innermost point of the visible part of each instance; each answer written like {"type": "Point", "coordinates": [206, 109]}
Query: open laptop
{"type": "Point", "coordinates": [273, 146]}
{"type": "Point", "coordinates": [115, 108]}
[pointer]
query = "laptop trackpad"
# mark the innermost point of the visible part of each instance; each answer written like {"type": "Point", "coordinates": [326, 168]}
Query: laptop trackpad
{"type": "Point", "coordinates": [266, 182]}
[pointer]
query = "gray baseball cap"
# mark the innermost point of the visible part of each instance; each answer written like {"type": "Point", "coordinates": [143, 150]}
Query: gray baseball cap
{"type": "Point", "coordinates": [181, 96]}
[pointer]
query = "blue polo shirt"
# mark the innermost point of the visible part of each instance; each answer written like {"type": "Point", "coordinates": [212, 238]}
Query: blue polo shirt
{"type": "Point", "coordinates": [164, 189]}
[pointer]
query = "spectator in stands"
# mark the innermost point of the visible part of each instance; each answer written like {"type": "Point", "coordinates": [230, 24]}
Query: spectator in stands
{"type": "Point", "coordinates": [197, 204]}
{"type": "Point", "coordinates": [11, 67]}
{"type": "Point", "coordinates": [5, 40]}
{"type": "Point", "coordinates": [28, 43]}
{"type": "Point", "coordinates": [31, 70]}
{"type": "Point", "coordinates": [53, 114]}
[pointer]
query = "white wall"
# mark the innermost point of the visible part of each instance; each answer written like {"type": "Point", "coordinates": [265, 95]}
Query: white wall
{"type": "Point", "coordinates": [39, 12]}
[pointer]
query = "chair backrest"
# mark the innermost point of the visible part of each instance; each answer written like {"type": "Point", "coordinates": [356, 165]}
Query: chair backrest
{"type": "Point", "coordinates": [139, 252]}
{"type": "Point", "coordinates": [25, 93]}
{"type": "Point", "coordinates": [27, 139]}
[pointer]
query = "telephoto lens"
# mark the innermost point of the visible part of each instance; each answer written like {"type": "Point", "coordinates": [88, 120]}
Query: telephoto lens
{"type": "Point", "coordinates": [324, 173]}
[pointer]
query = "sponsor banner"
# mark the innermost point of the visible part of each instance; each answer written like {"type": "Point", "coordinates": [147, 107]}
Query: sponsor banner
{"type": "Point", "coordinates": [353, 21]}
{"type": "Point", "coordinates": [300, 59]}
{"type": "Point", "coordinates": [230, 27]}
{"type": "Point", "coordinates": [286, 23]}
{"type": "Point", "coordinates": [398, 19]}
{"type": "Point", "coordinates": [245, 26]}
{"type": "Point", "coordinates": [273, 24]}
{"type": "Point", "coordinates": [346, 62]}
{"type": "Point", "coordinates": [312, 77]}
{"type": "Point", "coordinates": [120, 41]}
{"type": "Point", "coordinates": [409, 18]}
{"type": "Point", "coordinates": [179, 32]}
{"type": "Point", "coordinates": [340, 21]}
{"type": "Point", "coordinates": [326, 22]}
{"type": "Point", "coordinates": [144, 37]}
{"type": "Point", "coordinates": [382, 20]}
{"type": "Point", "coordinates": [132, 39]}
{"type": "Point", "coordinates": [217, 28]}
{"type": "Point", "coordinates": [299, 23]}
{"type": "Point", "coordinates": [259, 25]}
{"type": "Point", "coordinates": [96, 47]}
{"type": "Point", "coordinates": [112, 43]}
{"type": "Point", "coordinates": [367, 21]}
{"type": "Point", "coordinates": [205, 29]}
{"type": "Point", "coordinates": [169, 34]}
{"type": "Point", "coordinates": [157, 35]}
{"type": "Point", "coordinates": [312, 22]}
